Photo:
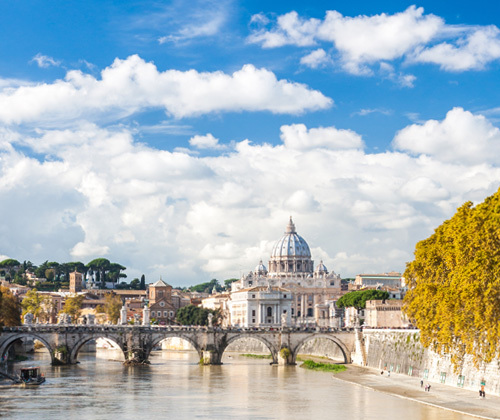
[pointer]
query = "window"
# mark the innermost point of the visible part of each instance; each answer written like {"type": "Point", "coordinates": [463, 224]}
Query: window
{"type": "Point", "coordinates": [426, 373]}
{"type": "Point", "coordinates": [269, 311]}
{"type": "Point", "coordinates": [253, 296]}
{"type": "Point", "coordinates": [171, 314]}
{"type": "Point", "coordinates": [162, 304]}
{"type": "Point", "coordinates": [461, 381]}
{"type": "Point", "coordinates": [253, 312]}
{"type": "Point", "coordinates": [442, 377]}
{"type": "Point", "coordinates": [284, 296]}
{"type": "Point", "coordinates": [165, 314]}
{"type": "Point", "coordinates": [410, 371]}
{"type": "Point", "coordinates": [253, 321]}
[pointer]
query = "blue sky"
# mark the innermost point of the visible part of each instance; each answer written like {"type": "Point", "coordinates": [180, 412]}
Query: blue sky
{"type": "Point", "coordinates": [177, 138]}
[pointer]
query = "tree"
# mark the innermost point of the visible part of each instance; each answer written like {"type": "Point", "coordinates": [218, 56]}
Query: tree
{"type": "Point", "coordinates": [100, 266]}
{"type": "Point", "coordinates": [454, 284]}
{"type": "Point", "coordinates": [9, 268]}
{"type": "Point", "coordinates": [196, 315]}
{"type": "Point", "coordinates": [358, 298]}
{"type": "Point", "coordinates": [73, 307]}
{"type": "Point", "coordinates": [112, 306]}
{"type": "Point", "coordinates": [135, 284]}
{"type": "Point", "coordinates": [207, 287]}
{"type": "Point", "coordinates": [10, 308]}
{"type": "Point", "coordinates": [35, 303]}
{"type": "Point", "coordinates": [142, 285]}
{"type": "Point", "coordinates": [228, 282]}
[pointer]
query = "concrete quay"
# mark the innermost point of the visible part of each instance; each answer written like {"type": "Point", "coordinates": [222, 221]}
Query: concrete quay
{"type": "Point", "coordinates": [442, 396]}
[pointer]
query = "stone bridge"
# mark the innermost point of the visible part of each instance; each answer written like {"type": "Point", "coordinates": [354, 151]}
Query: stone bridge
{"type": "Point", "coordinates": [65, 341]}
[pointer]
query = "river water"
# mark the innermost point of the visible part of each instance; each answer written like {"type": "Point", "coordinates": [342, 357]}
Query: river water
{"type": "Point", "coordinates": [174, 386]}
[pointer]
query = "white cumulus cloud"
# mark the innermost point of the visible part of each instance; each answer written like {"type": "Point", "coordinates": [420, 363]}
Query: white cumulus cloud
{"type": "Point", "coordinates": [362, 41]}
{"type": "Point", "coordinates": [297, 136]}
{"type": "Point", "coordinates": [94, 192]}
{"type": "Point", "coordinates": [461, 136]}
{"type": "Point", "coordinates": [132, 84]}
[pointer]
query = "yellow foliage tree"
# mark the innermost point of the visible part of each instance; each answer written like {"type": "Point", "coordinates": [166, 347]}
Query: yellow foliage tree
{"type": "Point", "coordinates": [10, 308]}
{"type": "Point", "coordinates": [73, 307]}
{"type": "Point", "coordinates": [112, 306]}
{"type": "Point", "coordinates": [454, 284]}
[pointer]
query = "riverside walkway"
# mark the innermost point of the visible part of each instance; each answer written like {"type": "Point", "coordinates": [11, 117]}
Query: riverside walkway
{"type": "Point", "coordinates": [443, 396]}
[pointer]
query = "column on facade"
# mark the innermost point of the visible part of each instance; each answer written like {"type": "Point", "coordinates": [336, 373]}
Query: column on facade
{"type": "Point", "coordinates": [303, 309]}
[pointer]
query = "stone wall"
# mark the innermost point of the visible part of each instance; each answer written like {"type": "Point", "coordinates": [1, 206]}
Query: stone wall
{"type": "Point", "coordinates": [400, 351]}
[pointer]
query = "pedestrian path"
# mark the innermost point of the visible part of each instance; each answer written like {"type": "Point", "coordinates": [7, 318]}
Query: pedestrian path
{"type": "Point", "coordinates": [444, 396]}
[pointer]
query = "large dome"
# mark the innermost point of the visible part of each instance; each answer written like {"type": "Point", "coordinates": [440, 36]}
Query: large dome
{"type": "Point", "coordinates": [291, 244]}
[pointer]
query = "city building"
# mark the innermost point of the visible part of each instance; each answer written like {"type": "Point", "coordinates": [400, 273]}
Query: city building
{"type": "Point", "coordinates": [160, 303]}
{"type": "Point", "coordinates": [75, 282]}
{"type": "Point", "coordinates": [260, 306]}
{"type": "Point", "coordinates": [385, 314]}
{"type": "Point", "coordinates": [291, 268]}
{"type": "Point", "coordinates": [392, 279]}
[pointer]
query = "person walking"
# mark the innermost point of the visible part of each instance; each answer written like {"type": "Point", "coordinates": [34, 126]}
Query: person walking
{"type": "Point", "coordinates": [421, 383]}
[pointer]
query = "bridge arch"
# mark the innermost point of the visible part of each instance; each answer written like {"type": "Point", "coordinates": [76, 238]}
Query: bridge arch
{"type": "Point", "coordinates": [82, 341]}
{"type": "Point", "coordinates": [236, 337]}
{"type": "Point", "coordinates": [343, 348]}
{"type": "Point", "coordinates": [4, 347]}
{"type": "Point", "coordinates": [158, 339]}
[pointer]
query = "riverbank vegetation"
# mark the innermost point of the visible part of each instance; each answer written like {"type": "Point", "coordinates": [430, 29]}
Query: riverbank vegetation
{"type": "Point", "coordinates": [257, 356]}
{"type": "Point", "coordinates": [324, 367]}
{"type": "Point", "coordinates": [454, 284]}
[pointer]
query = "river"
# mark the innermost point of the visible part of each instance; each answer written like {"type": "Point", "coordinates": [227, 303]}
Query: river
{"type": "Point", "coordinates": [174, 386]}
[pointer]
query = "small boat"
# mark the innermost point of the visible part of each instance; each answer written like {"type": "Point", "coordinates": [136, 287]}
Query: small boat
{"type": "Point", "coordinates": [31, 376]}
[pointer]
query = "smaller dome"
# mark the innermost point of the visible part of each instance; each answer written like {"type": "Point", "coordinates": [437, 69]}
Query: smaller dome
{"type": "Point", "coordinates": [261, 268]}
{"type": "Point", "coordinates": [321, 268]}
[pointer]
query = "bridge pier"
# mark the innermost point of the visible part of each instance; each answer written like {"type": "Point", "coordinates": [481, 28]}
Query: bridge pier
{"type": "Point", "coordinates": [210, 356]}
{"type": "Point", "coordinates": [286, 357]}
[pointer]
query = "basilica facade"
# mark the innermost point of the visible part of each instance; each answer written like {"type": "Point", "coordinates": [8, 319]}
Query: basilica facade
{"type": "Point", "coordinates": [312, 291]}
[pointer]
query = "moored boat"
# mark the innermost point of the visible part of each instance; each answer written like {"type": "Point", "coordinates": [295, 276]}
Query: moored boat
{"type": "Point", "coordinates": [31, 376]}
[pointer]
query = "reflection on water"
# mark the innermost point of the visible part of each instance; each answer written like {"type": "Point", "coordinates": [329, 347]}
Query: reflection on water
{"type": "Point", "coordinates": [175, 386]}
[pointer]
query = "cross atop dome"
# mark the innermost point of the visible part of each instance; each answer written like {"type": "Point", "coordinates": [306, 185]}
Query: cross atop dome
{"type": "Point", "coordinates": [291, 227]}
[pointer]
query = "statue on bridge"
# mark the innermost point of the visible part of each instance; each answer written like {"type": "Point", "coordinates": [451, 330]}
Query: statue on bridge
{"type": "Point", "coordinates": [64, 318]}
{"type": "Point", "coordinates": [28, 318]}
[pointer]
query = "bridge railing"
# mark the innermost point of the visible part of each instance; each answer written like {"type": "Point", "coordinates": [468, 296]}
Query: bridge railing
{"type": "Point", "coordinates": [163, 328]}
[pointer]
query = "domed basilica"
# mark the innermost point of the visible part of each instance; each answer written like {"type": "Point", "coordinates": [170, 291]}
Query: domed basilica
{"type": "Point", "coordinates": [305, 294]}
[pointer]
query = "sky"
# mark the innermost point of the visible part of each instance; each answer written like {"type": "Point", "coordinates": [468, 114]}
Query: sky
{"type": "Point", "coordinates": [177, 138]}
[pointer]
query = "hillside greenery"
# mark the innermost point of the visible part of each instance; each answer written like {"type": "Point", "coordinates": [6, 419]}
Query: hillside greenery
{"type": "Point", "coordinates": [454, 284]}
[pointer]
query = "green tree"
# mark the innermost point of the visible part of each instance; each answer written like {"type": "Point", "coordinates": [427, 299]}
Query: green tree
{"type": "Point", "coordinates": [207, 287]}
{"type": "Point", "coordinates": [196, 315]}
{"type": "Point", "coordinates": [135, 284]}
{"type": "Point", "coordinates": [10, 308]}
{"type": "Point", "coordinates": [142, 286]}
{"type": "Point", "coordinates": [454, 284]}
{"type": "Point", "coordinates": [73, 307]}
{"type": "Point", "coordinates": [358, 298]}
{"type": "Point", "coordinates": [112, 306]}
{"type": "Point", "coordinates": [9, 267]}
{"type": "Point", "coordinates": [228, 282]}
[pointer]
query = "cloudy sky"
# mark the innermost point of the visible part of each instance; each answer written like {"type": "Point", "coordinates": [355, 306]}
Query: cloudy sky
{"type": "Point", "coordinates": [177, 138]}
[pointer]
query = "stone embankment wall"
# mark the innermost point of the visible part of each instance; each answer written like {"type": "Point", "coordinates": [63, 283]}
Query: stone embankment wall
{"type": "Point", "coordinates": [400, 351]}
